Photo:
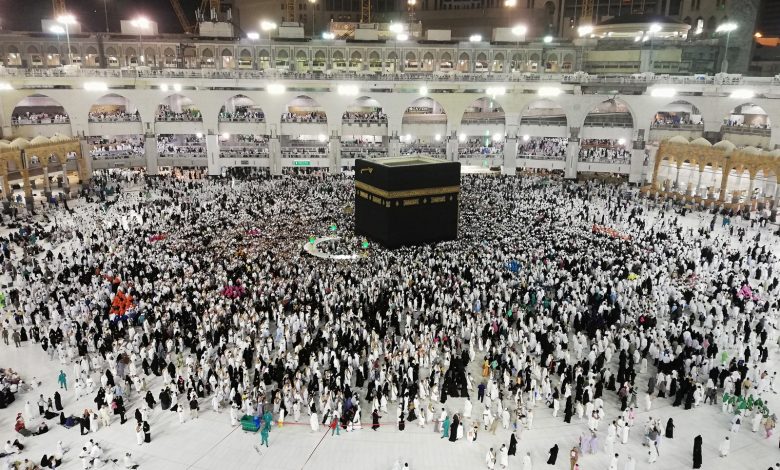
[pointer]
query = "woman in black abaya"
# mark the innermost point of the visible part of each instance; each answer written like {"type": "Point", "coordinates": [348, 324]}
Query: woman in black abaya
{"type": "Point", "coordinates": [512, 444]}
{"type": "Point", "coordinates": [553, 455]}
{"type": "Point", "coordinates": [454, 428]}
{"type": "Point", "coordinates": [697, 452]}
{"type": "Point", "coordinates": [670, 429]}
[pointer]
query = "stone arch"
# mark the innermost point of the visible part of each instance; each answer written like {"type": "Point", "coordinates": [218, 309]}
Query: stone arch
{"type": "Point", "coordinates": [37, 104]}
{"type": "Point", "coordinates": [678, 112]}
{"type": "Point", "coordinates": [32, 50]}
{"type": "Point", "coordinates": [618, 111]}
{"type": "Point", "coordinates": [425, 106]}
{"type": "Point", "coordinates": [362, 106]}
{"type": "Point", "coordinates": [113, 102]}
{"type": "Point", "coordinates": [484, 109]}
{"type": "Point", "coordinates": [544, 112]}
{"type": "Point", "coordinates": [178, 105]}
{"type": "Point", "coordinates": [302, 106]}
{"type": "Point", "coordinates": [243, 106]}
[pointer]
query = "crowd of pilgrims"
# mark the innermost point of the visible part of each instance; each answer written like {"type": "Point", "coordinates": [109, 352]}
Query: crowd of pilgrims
{"type": "Point", "coordinates": [116, 147]}
{"type": "Point", "coordinates": [181, 145]}
{"type": "Point", "coordinates": [543, 147]}
{"type": "Point", "coordinates": [533, 310]}
{"type": "Point", "coordinates": [117, 115]}
{"type": "Point", "coordinates": [604, 151]}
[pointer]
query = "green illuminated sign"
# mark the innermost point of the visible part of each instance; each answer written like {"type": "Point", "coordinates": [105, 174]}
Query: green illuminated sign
{"type": "Point", "coordinates": [301, 162]}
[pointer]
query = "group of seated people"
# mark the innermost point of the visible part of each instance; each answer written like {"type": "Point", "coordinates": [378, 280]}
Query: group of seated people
{"type": "Point", "coordinates": [114, 116]}
{"type": "Point", "coordinates": [604, 151]}
{"type": "Point", "coordinates": [543, 148]}
{"type": "Point", "coordinates": [242, 114]}
{"type": "Point", "coordinates": [477, 148]}
{"type": "Point", "coordinates": [170, 146]}
{"type": "Point", "coordinates": [165, 113]}
{"type": "Point", "coordinates": [111, 149]}
{"type": "Point", "coordinates": [9, 384]}
{"type": "Point", "coordinates": [372, 117]}
{"type": "Point", "coordinates": [40, 118]}
{"type": "Point", "coordinates": [314, 116]}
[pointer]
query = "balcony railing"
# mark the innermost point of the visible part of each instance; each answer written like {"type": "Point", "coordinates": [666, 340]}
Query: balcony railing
{"type": "Point", "coordinates": [230, 74]}
{"type": "Point", "coordinates": [746, 130]}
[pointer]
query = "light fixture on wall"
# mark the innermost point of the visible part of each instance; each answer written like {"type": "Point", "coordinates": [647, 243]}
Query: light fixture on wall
{"type": "Point", "coordinates": [95, 86]}
{"type": "Point", "coordinates": [549, 91]}
{"type": "Point", "coordinates": [276, 88]}
{"type": "Point", "coordinates": [663, 92]}
{"type": "Point", "coordinates": [742, 94]}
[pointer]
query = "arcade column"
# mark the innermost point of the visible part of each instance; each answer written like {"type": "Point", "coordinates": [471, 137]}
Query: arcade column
{"type": "Point", "coordinates": [28, 192]}
{"type": "Point", "coordinates": [334, 154]}
{"type": "Point", "coordinates": [85, 167]}
{"type": "Point", "coordinates": [572, 154]}
{"type": "Point", "coordinates": [637, 163]}
{"type": "Point", "coordinates": [212, 155]}
{"type": "Point", "coordinates": [275, 155]}
{"type": "Point", "coordinates": [151, 154]}
{"type": "Point", "coordinates": [451, 149]}
{"type": "Point", "coordinates": [394, 146]}
{"type": "Point", "coordinates": [510, 157]}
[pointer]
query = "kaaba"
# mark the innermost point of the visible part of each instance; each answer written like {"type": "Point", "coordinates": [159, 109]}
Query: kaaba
{"type": "Point", "coordinates": [406, 200]}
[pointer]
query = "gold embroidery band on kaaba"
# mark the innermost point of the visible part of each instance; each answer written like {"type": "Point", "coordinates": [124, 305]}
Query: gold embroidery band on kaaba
{"type": "Point", "coordinates": [444, 190]}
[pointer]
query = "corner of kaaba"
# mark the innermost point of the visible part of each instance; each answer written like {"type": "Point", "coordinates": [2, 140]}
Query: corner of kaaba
{"type": "Point", "coordinates": [407, 200]}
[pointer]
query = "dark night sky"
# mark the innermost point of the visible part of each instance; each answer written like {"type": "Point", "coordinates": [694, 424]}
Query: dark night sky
{"type": "Point", "coordinates": [25, 15]}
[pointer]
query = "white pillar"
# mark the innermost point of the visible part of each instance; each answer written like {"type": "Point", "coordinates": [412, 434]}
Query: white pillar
{"type": "Point", "coordinates": [451, 149]}
{"type": "Point", "coordinates": [334, 154]}
{"type": "Point", "coordinates": [572, 153]}
{"type": "Point", "coordinates": [637, 164]}
{"type": "Point", "coordinates": [152, 155]}
{"type": "Point", "coordinates": [212, 155]}
{"type": "Point", "coordinates": [275, 154]}
{"type": "Point", "coordinates": [85, 148]}
{"type": "Point", "coordinates": [510, 157]}
{"type": "Point", "coordinates": [394, 147]}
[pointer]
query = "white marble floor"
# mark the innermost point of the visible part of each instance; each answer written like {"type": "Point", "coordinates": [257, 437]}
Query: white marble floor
{"type": "Point", "coordinates": [211, 443]}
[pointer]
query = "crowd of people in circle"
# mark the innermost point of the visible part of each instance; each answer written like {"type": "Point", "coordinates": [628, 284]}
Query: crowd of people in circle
{"type": "Point", "coordinates": [159, 299]}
